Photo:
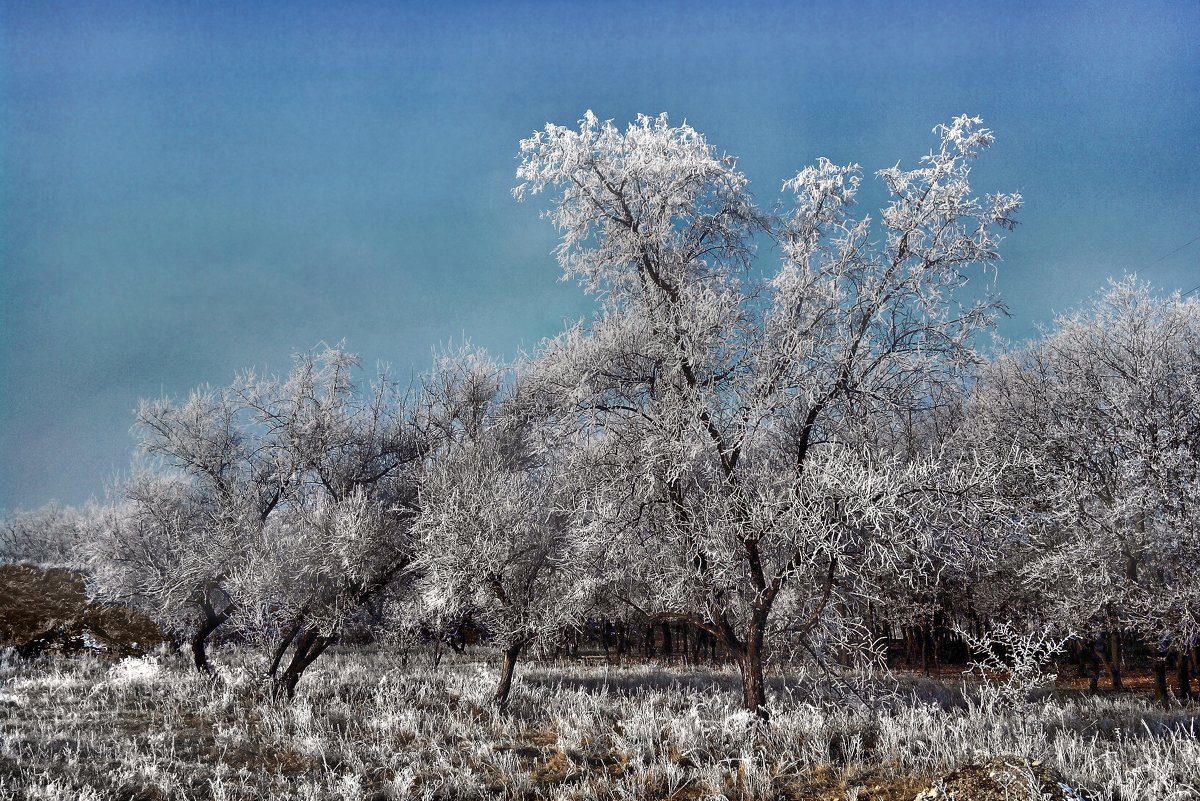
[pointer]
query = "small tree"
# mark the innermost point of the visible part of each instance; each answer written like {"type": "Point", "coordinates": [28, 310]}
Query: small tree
{"type": "Point", "coordinates": [356, 453]}
{"type": "Point", "coordinates": [1013, 663]}
{"type": "Point", "coordinates": [180, 525]}
{"type": "Point", "coordinates": [153, 549]}
{"type": "Point", "coordinates": [48, 535]}
{"type": "Point", "coordinates": [496, 514]}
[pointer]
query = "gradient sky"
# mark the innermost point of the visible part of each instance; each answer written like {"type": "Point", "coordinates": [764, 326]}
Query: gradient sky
{"type": "Point", "coordinates": [191, 189]}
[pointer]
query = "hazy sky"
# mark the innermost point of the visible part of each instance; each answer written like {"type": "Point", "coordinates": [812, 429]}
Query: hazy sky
{"type": "Point", "coordinates": [190, 189]}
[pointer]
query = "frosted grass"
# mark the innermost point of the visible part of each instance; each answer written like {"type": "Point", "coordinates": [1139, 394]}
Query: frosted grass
{"type": "Point", "coordinates": [371, 724]}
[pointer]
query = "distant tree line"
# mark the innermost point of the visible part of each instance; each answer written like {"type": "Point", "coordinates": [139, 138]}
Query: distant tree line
{"type": "Point", "coordinates": [817, 462]}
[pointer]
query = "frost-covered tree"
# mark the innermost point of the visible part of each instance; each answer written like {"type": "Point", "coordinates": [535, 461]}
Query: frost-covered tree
{"type": "Point", "coordinates": [186, 519]}
{"type": "Point", "coordinates": [154, 549]}
{"type": "Point", "coordinates": [731, 421]}
{"type": "Point", "coordinates": [47, 535]}
{"type": "Point", "coordinates": [965, 576]}
{"type": "Point", "coordinates": [496, 511]}
{"type": "Point", "coordinates": [356, 452]}
{"type": "Point", "coordinates": [1108, 403]}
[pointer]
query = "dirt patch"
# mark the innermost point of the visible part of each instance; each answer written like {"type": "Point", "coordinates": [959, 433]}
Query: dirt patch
{"type": "Point", "coordinates": [827, 783]}
{"type": "Point", "coordinates": [45, 610]}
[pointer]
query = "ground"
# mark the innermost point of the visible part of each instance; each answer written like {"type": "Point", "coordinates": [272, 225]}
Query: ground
{"type": "Point", "coordinates": [389, 722]}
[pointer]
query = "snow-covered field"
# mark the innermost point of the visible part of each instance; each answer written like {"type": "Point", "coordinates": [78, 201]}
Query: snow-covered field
{"type": "Point", "coordinates": [372, 724]}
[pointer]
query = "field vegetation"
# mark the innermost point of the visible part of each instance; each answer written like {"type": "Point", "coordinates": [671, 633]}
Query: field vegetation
{"type": "Point", "coordinates": [384, 723]}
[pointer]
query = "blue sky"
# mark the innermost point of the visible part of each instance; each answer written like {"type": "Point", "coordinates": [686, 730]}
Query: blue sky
{"type": "Point", "coordinates": [191, 189]}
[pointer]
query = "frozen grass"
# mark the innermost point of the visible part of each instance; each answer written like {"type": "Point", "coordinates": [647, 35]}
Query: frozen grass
{"type": "Point", "coordinates": [365, 725]}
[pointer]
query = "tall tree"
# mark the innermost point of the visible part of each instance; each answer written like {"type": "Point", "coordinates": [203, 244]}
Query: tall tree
{"type": "Point", "coordinates": [730, 420]}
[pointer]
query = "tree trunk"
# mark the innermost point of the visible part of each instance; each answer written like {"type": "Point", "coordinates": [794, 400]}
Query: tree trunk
{"type": "Point", "coordinates": [199, 655]}
{"type": "Point", "coordinates": [305, 651]}
{"type": "Point", "coordinates": [925, 650]}
{"type": "Point", "coordinates": [281, 649]}
{"type": "Point", "coordinates": [1114, 661]}
{"type": "Point", "coordinates": [754, 687]}
{"type": "Point", "coordinates": [212, 621]}
{"type": "Point", "coordinates": [506, 673]}
{"type": "Point", "coordinates": [1183, 678]}
{"type": "Point", "coordinates": [1093, 665]}
{"type": "Point", "coordinates": [1160, 680]}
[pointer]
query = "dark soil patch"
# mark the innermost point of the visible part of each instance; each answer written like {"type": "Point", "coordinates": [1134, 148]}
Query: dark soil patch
{"type": "Point", "coordinates": [46, 610]}
{"type": "Point", "coordinates": [828, 783]}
